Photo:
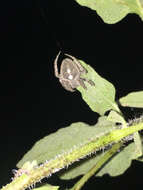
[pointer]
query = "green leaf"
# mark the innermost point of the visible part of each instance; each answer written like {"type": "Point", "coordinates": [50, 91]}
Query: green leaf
{"type": "Point", "coordinates": [116, 117]}
{"type": "Point", "coordinates": [133, 99]}
{"type": "Point", "coordinates": [65, 139]}
{"type": "Point", "coordinates": [100, 97]}
{"type": "Point", "coordinates": [119, 163]}
{"type": "Point", "coordinates": [112, 11]}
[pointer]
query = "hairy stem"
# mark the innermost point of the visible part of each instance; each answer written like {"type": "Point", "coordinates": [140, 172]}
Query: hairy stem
{"type": "Point", "coordinates": [30, 178]}
{"type": "Point", "coordinates": [98, 165]}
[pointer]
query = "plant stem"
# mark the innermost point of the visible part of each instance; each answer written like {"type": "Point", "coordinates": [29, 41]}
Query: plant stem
{"type": "Point", "coordinates": [61, 161]}
{"type": "Point", "coordinates": [97, 166]}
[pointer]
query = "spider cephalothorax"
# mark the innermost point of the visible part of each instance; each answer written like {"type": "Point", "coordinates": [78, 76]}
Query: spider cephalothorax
{"type": "Point", "coordinates": [70, 73]}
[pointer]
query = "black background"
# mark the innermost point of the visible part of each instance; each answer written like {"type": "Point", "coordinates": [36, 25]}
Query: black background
{"type": "Point", "coordinates": [32, 101]}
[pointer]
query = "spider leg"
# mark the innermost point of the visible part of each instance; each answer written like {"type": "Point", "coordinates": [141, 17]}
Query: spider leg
{"type": "Point", "coordinates": [55, 65]}
{"type": "Point", "coordinates": [89, 81]}
{"type": "Point", "coordinates": [81, 68]}
{"type": "Point", "coordinates": [81, 82]}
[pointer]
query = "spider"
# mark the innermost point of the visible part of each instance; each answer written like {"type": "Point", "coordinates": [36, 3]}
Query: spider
{"type": "Point", "coordinates": [70, 73]}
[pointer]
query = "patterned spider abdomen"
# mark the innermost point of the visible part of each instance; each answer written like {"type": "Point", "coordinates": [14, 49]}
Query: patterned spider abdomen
{"type": "Point", "coordinates": [69, 70]}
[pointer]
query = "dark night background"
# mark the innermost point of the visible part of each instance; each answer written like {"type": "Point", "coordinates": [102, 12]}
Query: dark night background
{"type": "Point", "coordinates": [33, 104]}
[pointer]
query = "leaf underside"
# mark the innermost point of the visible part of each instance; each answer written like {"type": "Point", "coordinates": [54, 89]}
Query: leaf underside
{"type": "Point", "coordinates": [65, 139]}
{"type": "Point", "coordinates": [112, 11]}
{"type": "Point", "coordinates": [133, 99]}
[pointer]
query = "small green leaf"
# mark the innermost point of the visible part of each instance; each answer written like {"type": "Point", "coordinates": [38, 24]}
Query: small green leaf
{"type": "Point", "coordinates": [133, 99]}
{"type": "Point", "coordinates": [100, 97]}
{"type": "Point", "coordinates": [112, 11]}
{"type": "Point", "coordinates": [116, 117]}
{"type": "Point", "coordinates": [65, 139]}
